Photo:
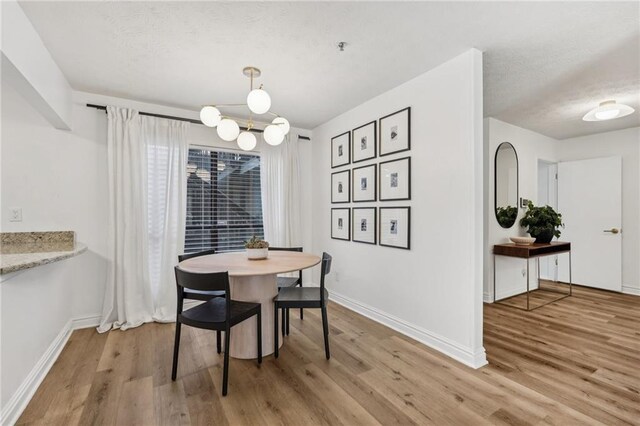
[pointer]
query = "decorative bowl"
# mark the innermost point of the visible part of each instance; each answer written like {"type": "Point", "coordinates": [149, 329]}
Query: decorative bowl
{"type": "Point", "coordinates": [522, 241]}
{"type": "Point", "coordinates": [257, 254]}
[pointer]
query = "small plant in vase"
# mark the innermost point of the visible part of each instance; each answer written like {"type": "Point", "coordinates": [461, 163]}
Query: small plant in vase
{"type": "Point", "coordinates": [543, 223]}
{"type": "Point", "coordinates": [256, 248]}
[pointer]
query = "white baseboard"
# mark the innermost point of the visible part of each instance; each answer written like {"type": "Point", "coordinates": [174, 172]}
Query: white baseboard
{"type": "Point", "coordinates": [446, 346]}
{"type": "Point", "coordinates": [19, 400]}
{"type": "Point", "coordinates": [486, 297]}
{"type": "Point", "coordinates": [631, 290]}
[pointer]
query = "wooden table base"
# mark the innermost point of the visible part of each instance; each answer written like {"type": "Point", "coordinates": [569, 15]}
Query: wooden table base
{"type": "Point", "coordinates": [261, 289]}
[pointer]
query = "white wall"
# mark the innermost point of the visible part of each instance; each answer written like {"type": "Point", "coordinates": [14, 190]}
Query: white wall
{"type": "Point", "coordinates": [530, 147]}
{"type": "Point", "coordinates": [433, 291]}
{"type": "Point", "coordinates": [626, 144]}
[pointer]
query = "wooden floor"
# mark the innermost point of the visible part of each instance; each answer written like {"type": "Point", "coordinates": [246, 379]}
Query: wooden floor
{"type": "Point", "coordinates": [576, 361]}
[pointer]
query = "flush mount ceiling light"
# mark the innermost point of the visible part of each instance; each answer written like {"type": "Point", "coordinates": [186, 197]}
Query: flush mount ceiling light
{"type": "Point", "coordinates": [258, 102]}
{"type": "Point", "coordinates": [608, 110]}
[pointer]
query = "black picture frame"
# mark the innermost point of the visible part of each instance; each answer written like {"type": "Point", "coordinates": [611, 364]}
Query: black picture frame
{"type": "Point", "coordinates": [348, 191]}
{"type": "Point", "coordinates": [347, 150]}
{"type": "Point", "coordinates": [380, 236]}
{"type": "Point", "coordinates": [380, 178]}
{"type": "Point", "coordinates": [348, 216]}
{"type": "Point", "coordinates": [381, 150]}
{"type": "Point", "coordinates": [374, 181]}
{"type": "Point", "coordinates": [375, 224]}
{"type": "Point", "coordinates": [375, 142]}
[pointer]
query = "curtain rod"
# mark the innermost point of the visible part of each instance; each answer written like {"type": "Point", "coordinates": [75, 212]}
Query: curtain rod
{"type": "Point", "coordinates": [188, 120]}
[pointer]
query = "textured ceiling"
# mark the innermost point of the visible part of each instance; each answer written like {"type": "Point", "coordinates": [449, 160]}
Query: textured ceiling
{"type": "Point", "coordinates": [546, 64]}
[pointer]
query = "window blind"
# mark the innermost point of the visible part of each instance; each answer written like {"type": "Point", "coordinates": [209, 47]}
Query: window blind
{"type": "Point", "coordinates": [224, 204]}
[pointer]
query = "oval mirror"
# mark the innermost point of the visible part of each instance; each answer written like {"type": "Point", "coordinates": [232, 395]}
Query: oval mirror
{"type": "Point", "coordinates": [506, 185]}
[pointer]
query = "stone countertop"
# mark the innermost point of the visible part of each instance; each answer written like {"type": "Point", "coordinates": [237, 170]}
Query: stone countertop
{"type": "Point", "coordinates": [24, 250]}
{"type": "Point", "coordinates": [18, 261]}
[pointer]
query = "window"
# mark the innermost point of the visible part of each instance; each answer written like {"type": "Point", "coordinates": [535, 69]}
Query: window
{"type": "Point", "coordinates": [224, 204]}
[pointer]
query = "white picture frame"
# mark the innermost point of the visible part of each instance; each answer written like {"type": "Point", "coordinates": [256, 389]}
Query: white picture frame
{"type": "Point", "coordinates": [394, 227]}
{"type": "Point", "coordinates": [341, 223]}
{"type": "Point", "coordinates": [364, 224]}
{"type": "Point", "coordinates": [395, 179]}
{"type": "Point", "coordinates": [364, 183]}
{"type": "Point", "coordinates": [341, 187]}
{"type": "Point", "coordinates": [341, 150]}
{"type": "Point", "coordinates": [364, 142]}
{"type": "Point", "coordinates": [395, 132]}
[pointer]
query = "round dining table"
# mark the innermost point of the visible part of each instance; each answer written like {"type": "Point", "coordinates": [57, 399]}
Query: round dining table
{"type": "Point", "coordinates": [252, 281]}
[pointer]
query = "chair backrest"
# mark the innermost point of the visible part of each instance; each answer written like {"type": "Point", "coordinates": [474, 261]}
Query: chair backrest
{"type": "Point", "coordinates": [182, 257]}
{"type": "Point", "coordinates": [212, 281]}
{"type": "Point", "coordinates": [298, 249]}
{"type": "Point", "coordinates": [325, 268]}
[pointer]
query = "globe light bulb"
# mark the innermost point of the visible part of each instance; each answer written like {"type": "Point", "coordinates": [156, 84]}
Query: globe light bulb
{"type": "Point", "coordinates": [258, 101]}
{"type": "Point", "coordinates": [283, 123]}
{"type": "Point", "coordinates": [273, 134]}
{"type": "Point", "coordinates": [247, 141]}
{"type": "Point", "coordinates": [228, 129]}
{"type": "Point", "coordinates": [210, 116]}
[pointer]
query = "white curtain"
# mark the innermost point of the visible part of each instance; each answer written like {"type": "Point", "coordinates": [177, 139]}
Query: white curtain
{"type": "Point", "coordinates": [147, 199]}
{"type": "Point", "coordinates": [281, 196]}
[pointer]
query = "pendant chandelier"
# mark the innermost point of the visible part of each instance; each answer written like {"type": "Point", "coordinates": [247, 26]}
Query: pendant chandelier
{"type": "Point", "coordinates": [258, 102]}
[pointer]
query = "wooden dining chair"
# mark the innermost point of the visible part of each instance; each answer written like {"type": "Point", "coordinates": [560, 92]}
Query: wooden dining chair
{"type": "Point", "coordinates": [192, 294]}
{"type": "Point", "coordinates": [218, 313]}
{"type": "Point", "coordinates": [306, 297]}
{"type": "Point", "coordinates": [284, 282]}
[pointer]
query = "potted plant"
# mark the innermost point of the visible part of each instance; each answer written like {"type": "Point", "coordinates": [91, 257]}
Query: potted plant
{"type": "Point", "coordinates": [506, 216]}
{"type": "Point", "coordinates": [256, 248]}
{"type": "Point", "coordinates": [543, 223]}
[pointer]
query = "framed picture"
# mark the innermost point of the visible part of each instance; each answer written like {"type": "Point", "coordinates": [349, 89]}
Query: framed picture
{"type": "Point", "coordinates": [395, 227]}
{"type": "Point", "coordinates": [341, 224]}
{"type": "Point", "coordinates": [340, 150]}
{"type": "Point", "coordinates": [340, 187]}
{"type": "Point", "coordinates": [364, 183]}
{"type": "Point", "coordinates": [395, 132]}
{"type": "Point", "coordinates": [395, 179]}
{"type": "Point", "coordinates": [364, 224]}
{"type": "Point", "coordinates": [364, 142]}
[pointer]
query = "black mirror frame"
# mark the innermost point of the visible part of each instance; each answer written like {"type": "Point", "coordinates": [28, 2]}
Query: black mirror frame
{"type": "Point", "coordinates": [495, 182]}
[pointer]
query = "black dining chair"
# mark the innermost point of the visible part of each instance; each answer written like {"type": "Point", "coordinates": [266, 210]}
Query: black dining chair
{"type": "Point", "coordinates": [219, 314]}
{"type": "Point", "coordinates": [284, 282]}
{"type": "Point", "coordinates": [192, 294]}
{"type": "Point", "coordinates": [306, 297]}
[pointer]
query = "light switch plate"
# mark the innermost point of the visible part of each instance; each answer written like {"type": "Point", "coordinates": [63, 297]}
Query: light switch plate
{"type": "Point", "coordinates": [15, 214]}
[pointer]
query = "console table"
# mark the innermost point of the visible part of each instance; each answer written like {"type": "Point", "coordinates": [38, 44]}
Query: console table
{"type": "Point", "coordinates": [533, 251]}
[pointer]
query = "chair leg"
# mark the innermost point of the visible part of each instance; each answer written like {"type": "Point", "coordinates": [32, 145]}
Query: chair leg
{"type": "Point", "coordinates": [218, 341]}
{"type": "Point", "coordinates": [225, 371]}
{"type": "Point", "coordinates": [176, 348]}
{"type": "Point", "coordinates": [259, 320]}
{"type": "Point", "coordinates": [301, 310]}
{"type": "Point", "coordinates": [275, 331]}
{"type": "Point", "coordinates": [284, 323]}
{"type": "Point", "coordinates": [325, 329]}
{"type": "Point", "coordinates": [287, 321]}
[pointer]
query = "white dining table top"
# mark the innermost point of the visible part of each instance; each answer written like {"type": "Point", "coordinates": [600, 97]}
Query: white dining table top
{"type": "Point", "coordinates": [238, 265]}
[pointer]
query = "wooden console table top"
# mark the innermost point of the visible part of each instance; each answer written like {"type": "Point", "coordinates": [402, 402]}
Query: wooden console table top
{"type": "Point", "coordinates": [533, 250]}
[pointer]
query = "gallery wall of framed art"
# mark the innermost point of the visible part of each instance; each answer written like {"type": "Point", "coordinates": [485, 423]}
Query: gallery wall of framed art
{"type": "Point", "coordinates": [373, 182]}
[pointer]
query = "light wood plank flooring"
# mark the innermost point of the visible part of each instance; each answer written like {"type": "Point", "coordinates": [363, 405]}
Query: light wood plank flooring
{"type": "Point", "coordinates": [576, 361]}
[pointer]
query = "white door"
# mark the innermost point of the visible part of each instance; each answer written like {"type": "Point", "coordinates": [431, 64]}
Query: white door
{"type": "Point", "coordinates": [548, 195]}
{"type": "Point", "coordinates": [590, 201]}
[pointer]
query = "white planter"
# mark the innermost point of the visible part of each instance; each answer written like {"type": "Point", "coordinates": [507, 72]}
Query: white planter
{"type": "Point", "coordinates": [257, 254]}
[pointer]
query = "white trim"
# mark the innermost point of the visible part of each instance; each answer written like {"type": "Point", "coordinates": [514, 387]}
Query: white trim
{"type": "Point", "coordinates": [631, 290]}
{"type": "Point", "coordinates": [446, 346]}
{"type": "Point", "coordinates": [15, 406]}
{"type": "Point", "coordinates": [486, 297]}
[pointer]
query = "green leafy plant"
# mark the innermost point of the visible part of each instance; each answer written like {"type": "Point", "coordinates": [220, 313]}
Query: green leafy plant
{"type": "Point", "coordinates": [542, 222]}
{"type": "Point", "coordinates": [506, 216]}
{"type": "Point", "coordinates": [256, 243]}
